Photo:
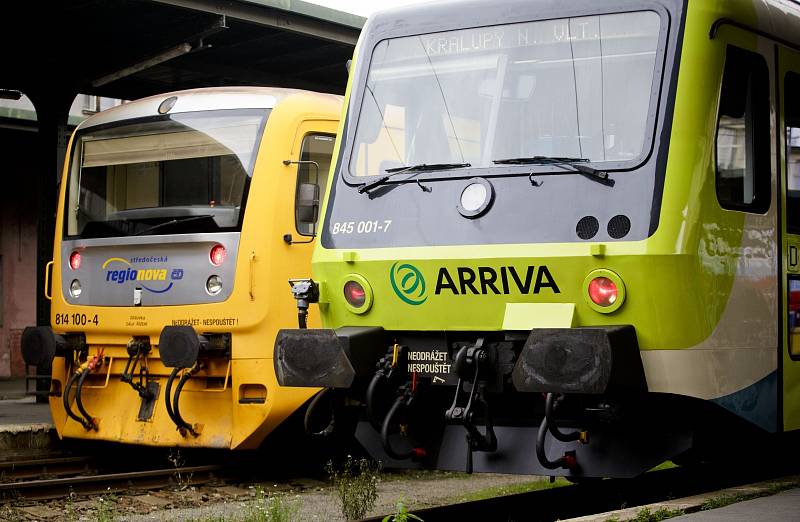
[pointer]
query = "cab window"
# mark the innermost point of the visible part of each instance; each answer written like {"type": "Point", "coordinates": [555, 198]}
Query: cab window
{"type": "Point", "coordinates": [316, 148]}
{"type": "Point", "coordinates": [743, 133]}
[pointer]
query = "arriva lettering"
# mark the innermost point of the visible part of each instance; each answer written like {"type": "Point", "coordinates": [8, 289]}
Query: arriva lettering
{"type": "Point", "coordinates": [487, 280]}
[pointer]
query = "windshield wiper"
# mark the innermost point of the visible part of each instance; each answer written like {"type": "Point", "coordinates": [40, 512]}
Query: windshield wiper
{"type": "Point", "coordinates": [422, 167]}
{"type": "Point", "coordinates": [172, 222]}
{"type": "Point", "coordinates": [577, 164]}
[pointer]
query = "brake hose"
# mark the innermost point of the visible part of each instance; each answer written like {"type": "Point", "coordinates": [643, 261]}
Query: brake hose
{"type": "Point", "coordinates": [65, 397]}
{"type": "Point", "coordinates": [89, 423]}
{"type": "Point", "coordinates": [176, 407]}
{"type": "Point", "coordinates": [168, 395]}
{"type": "Point", "coordinates": [329, 429]}
{"type": "Point", "coordinates": [387, 446]}
{"type": "Point", "coordinates": [549, 409]}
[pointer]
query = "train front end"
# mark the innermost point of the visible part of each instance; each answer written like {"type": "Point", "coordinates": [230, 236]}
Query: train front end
{"type": "Point", "coordinates": [159, 336]}
{"type": "Point", "coordinates": [499, 285]}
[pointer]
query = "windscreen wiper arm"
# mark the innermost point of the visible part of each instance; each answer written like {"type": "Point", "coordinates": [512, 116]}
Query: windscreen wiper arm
{"type": "Point", "coordinates": [172, 222]}
{"type": "Point", "coordinates": [577, 164]}
{"type": "Point", "coordinates": [422, 167]}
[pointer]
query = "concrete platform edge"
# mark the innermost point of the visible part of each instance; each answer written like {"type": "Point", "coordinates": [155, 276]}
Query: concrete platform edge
{"type": "Point", "coordinates": [695, 503]}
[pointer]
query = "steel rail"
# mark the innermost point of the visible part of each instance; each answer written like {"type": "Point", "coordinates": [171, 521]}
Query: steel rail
{"type": "Point", "coordinates": [102, 483]}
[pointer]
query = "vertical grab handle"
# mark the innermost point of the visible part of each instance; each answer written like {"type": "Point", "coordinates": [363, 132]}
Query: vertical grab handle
{"type": "Point", "coordinates": [252, 275]}
{"type": "Point", "coordinates": [47, 268]}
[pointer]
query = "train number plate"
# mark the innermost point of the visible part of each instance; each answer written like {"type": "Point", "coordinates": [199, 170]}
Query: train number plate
{"type": "Point", "coordinates": [433, 363]}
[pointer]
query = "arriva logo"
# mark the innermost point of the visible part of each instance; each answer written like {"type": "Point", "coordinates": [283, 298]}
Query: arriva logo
{"type": "Point", "coordinates": [408, 283]}
{"type": "Point", "coordinates": [128, 273]}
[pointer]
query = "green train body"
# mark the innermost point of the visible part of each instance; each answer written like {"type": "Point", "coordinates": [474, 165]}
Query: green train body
{"type": "Point", "coordinates": [697, 231]}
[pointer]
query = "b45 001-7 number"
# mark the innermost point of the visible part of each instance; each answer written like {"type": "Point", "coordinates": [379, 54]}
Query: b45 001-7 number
{"type": "Point", "coordinates": [360, 227]}
{"type": "Point", "coordinates": [76, 319]}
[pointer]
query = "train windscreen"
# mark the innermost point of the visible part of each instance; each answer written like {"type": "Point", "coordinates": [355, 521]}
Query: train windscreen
{"type": "Point", "coordinates": [185, 173]}
{"type": "Point", "coordinates": [572, 87]}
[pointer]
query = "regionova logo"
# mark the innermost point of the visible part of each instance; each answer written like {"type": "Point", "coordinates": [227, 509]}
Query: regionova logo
{"type": "Point", "coordinates": [408, 283]}
{"type": "Point", "coordinates": [120, 271]}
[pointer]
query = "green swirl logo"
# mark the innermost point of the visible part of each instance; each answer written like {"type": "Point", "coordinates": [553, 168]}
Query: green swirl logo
{"type": "Point", "coordinates": [408, 283]}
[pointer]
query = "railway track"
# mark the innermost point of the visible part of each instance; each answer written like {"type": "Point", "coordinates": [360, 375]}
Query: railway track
{"type": "Point", "coordinates": [55, 476]}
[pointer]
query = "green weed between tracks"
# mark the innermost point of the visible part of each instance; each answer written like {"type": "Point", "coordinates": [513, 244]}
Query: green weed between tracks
{"type": "Point", "coordinates": [501, 491]}
{"type": "Point", "coordinates": [356, 484]}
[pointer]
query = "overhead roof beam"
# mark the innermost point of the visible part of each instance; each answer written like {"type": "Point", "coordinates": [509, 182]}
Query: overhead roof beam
{"type": "Point", "coordinates": [169, 54]}
{"type": "Point", "coordinates": [272, 17]}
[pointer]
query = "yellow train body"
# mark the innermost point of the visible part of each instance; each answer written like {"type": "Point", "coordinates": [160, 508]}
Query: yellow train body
{"type": "Point", "coordinates": [231, 400]}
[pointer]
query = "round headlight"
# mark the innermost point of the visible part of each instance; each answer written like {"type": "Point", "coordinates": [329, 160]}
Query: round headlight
{"type": "Point", "coordinates": [473, 197]}
{"type": "Point", "coordinates": [476, 198]}
{"type": "Point", "coordinates": [604, 290]}
{"type": "Point", "coordinates": [214, 285]}
{"type": "Point", "coordinates": [357, 294]}
{"type": "Point", "coordinates": [75, 288]}
{"type": "Point", "coordinates": [75, 260]}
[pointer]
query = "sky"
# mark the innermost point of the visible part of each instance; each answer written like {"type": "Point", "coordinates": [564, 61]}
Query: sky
{"type": "Point", "coordinates": [363, 7]}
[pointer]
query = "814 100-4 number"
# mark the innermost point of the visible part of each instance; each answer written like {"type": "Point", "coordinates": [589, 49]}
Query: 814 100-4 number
{"type": "Point", "coordinates": [76, 319]}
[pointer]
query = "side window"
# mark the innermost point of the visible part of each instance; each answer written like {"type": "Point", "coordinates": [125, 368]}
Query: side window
{"type": "Point", "coordinates": [317, 148]}
{"type": "Point", "coordinates": [792, 120]}
{"type": "Point", "coordinates": [743, 133]}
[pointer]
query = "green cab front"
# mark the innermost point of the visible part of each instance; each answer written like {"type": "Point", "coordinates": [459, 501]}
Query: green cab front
{"type": "Point", "coordinates": [519, 249]}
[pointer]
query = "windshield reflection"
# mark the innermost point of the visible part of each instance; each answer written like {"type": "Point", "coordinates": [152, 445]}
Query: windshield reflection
{"type": "Point", "coordinates": [572, 87]}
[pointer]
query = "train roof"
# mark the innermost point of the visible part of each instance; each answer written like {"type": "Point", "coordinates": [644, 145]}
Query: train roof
{"type": "Point", "coordinates": [210, 98]}
{"type": "Point", "coordinates": [779, 18]}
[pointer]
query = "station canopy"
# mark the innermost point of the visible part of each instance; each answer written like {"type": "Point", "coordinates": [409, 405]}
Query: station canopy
{"type": "Point", "coordinates": [133, 48]}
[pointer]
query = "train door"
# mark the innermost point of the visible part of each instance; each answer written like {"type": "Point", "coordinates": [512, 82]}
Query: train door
{"type": "Point", "coordinates": [788, 78]}
{"type": "Point", "coordinates": [747, 189]}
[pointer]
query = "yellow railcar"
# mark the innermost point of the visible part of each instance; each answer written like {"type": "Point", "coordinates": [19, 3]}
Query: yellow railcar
{"type": "Point", "coordinates": [181, 217]}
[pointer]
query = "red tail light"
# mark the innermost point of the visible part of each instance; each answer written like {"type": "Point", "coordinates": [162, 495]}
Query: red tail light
{"type": "Point", "coordinates": [603, 291]}
{"type": "Point", "coordinates": [218, 254]}
{"type": "Point", "coordinates": [355, 294]}
{"type": "Point", "coordinates": [75, 260]}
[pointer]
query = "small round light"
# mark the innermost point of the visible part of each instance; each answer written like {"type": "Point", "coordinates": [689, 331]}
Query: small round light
{"type": "Point", "coordinates": [214, 285]}
{"type": "Point", "coordinates": [218, 255]}
{"type": "Point", "coordinates": [75, 260]}
{"type": "Point", "coordinates": [167, 105]}
{"type": "Point", "coordinates": [473, 196]}
{"type": "Point", "coordinates": [603, 291]}
{"type": "Point", "coordinates": [75, 288]}
{"type": "Point", "coordinates": [476, 198]}
{"type": "Point", "coordinates": [355, 294]}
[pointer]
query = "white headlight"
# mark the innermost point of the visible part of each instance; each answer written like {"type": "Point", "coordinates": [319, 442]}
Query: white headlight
{"type": "Point", "coordinates": [473, 196]}
{"type": "Point", "coordinates": [476, 198]}
{"type": "Point", "coordinates": [75, 288]}
{"type": "Point", "coordinates": [214, 285]}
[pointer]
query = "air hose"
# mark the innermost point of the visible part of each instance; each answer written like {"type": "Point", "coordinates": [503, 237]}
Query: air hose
{"type": "Point", "coordinates": [176, 406]}
{"type": "Point", "coordinates": [312, 406]}
{"type": "Point", "coordinates": [568, 460]}
{"type": "Point", "coordinates": [400, 402]}
{"type": "Point", "coordinates": [549, 409]}
{"type": "Point", "coordinates": [89, 422]}
{"type": "Point", "coordinates": [65, 398]}
{"type": "Point", "coordinates": [168, 395]}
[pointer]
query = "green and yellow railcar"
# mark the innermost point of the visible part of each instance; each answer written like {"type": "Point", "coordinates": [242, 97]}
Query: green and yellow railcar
{"type": "Point", "coordinates": [562, 237]}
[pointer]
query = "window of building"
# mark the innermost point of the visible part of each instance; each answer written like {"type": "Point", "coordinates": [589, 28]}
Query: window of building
{"type": "Point", "coordinates": [317, 148]}
{"type": "Point", "coordinates": [743, 133]}
{"type": "Point", "coordinates": [792, 120]}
